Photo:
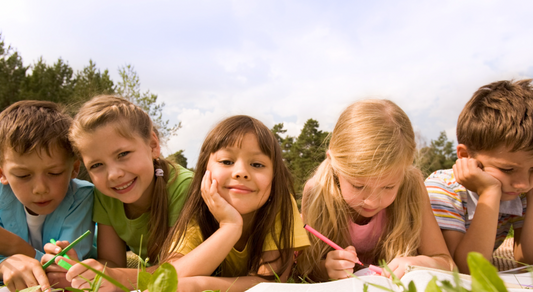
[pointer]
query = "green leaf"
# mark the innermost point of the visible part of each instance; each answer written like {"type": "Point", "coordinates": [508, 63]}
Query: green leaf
{"type": "Point", "coordinates": [484, 274]}
{"type": "Point", "coordinates": [31, 289]}
{"type": "Point", "coordinates": [411, 287]}
{"type": "Point", "coordinates": [143, 279]}
{"type": "Point", "coordinates": [432, 286]}
{"type": "Point", "coordinates": [164, 279]}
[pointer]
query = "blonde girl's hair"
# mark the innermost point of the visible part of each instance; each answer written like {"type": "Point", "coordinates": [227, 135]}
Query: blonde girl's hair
{"type": "Point", "coordinates": [228, 133]}
{"type": "Point", "coordinates": [371, 138]}
{"type": "Point", "coordinates": [129, 120]}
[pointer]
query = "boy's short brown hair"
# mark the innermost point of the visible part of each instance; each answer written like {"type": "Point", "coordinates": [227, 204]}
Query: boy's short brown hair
{"type": "Point", "coordinates": [31, 125]}
{"type": "Point", "coordinates": [498, 114]}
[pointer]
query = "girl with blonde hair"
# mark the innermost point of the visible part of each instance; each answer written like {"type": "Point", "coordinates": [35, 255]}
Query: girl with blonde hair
{"type": "Point", "coordinates": [368, 197]}
{"type": "Point", "coordinates": [139, 194]}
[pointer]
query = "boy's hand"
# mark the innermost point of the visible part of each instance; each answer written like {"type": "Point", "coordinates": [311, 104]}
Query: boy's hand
{"type": "Point", "coordinates": [52, 249]}
{"type": "Point", "coordinates": [469, 173]}
{"type": "Point", "coordinates": [218, 206]}
{"type": "Point", "coordinates": [56, 274]}
{"type": "Point", "coordinates": [340, 263]}
{"type": "Point", "coordinates": [20, 272]}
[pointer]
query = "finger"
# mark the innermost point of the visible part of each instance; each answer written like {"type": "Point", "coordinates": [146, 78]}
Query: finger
{"type": "Point", "coordinates": [206, 180]}
{"type": "Point", "coordinates": [41, 278]}
{"type": "Point", "coordinates": [75, 271]}
{"type": "Point", "coordinates": [51, 248]}
{"type": "Point", "coordinates": [58, 279]}
{"type": "Point", "coordinates": [11, 285]}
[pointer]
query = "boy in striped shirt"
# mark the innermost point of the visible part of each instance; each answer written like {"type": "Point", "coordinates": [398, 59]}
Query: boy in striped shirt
{"type": "Point", "coordinates": [487, 191]}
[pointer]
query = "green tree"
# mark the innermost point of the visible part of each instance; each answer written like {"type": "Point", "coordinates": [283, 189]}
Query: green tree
{"type": "Point", "coordinates": [12, 75]}
{"type": "Point", "coordinates": [306, 152]}
{"type": "Point", "coordinates": [129, 87]}
{"type": "Point", "coordinates": [52, 83]}
{"type": "Point", "coordinates": [90, 82]}
{"type": "Point", "coordinates": [285, 143]}
{"type": "Point", "coordinates": [440, 154]}
{"type": "Point", "coordinates": [178, 158]}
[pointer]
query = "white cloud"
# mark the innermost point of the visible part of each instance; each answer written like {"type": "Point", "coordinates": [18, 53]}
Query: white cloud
{"type": "Point", "coordinates": [286, 61]}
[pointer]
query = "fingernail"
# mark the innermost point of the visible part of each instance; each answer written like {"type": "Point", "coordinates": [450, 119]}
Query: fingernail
{"type": "Point", "coordinates": [57, 250]}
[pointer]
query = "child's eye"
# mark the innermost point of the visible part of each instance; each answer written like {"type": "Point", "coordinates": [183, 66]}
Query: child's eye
{"type": "Point", "coordinates": [226, 162]}
{"type": "Point", "coordinates": [506, 170]}
{"type": "Point", "coordinates": [257, 165]}
{"type": "Point", "coordinates": [357, 187]}
{"type": "Point", "coordinates": [22, 176]}
{"type": "Point", "coordinates": [95, 165]}
{"type": "Point", "coordinates": [56, 173]}
{"type": "Point", "coordinates": [389, 187]}
{"type": "Point", "coordinates": [122, 154]}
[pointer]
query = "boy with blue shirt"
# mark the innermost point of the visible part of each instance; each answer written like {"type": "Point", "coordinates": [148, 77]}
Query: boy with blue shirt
{"type": "Point", "coordinates": [40, 199]}
{"type": "Point", "coordinates": [487, 191]}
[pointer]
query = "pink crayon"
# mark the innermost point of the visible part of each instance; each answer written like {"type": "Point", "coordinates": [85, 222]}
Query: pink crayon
{"type": "Point", "coordinates": [373, 268]}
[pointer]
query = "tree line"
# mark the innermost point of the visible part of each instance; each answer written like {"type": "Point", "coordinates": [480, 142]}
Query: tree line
{"type": "Point", "coordinates": [59, 83]}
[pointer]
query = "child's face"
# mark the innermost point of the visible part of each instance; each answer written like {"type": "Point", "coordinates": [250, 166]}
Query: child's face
{"type": "Point", "coordinates": [513, 169]}
{"type": "Point", "coordinates": [368, 196]}
{"type": "Point", "coordinates": [39, 181]}
{"type": "Point", "coordinates": [244, 175]}
{"type": "Point", "coordinates": [120, 167]}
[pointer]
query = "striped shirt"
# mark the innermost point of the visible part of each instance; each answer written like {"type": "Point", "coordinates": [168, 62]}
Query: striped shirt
{"type": "Point", "coordinates": [449, 203]}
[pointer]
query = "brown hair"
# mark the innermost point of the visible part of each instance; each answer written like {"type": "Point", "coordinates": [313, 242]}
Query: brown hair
{"type": "Point", "coordinates": [128, 120]}
{"type": "Point", "coordinates": [500, 113]}
{"type": "Point", "coordinates": [32, 125]}
{"type": "Point", "coordinates": [227, 133]}
{"type": "Point", "coordinates": [371, 138]}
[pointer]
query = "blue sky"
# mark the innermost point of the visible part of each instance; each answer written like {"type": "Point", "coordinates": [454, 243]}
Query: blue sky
{"type": "Point", "coordinates": [285, 61]}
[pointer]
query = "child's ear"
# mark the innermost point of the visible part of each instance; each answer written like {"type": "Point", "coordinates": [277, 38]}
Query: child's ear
{"type": "Point", "coordinates": [3, 178]}
{"type": "Point", "coordinates": [327, 154]}
{"type": "Point", "coordinates": [76, 168]}
{"type": "Point", "coordinates": [462, 151]}
{"type": "Point", "coordinates": [156, 147]}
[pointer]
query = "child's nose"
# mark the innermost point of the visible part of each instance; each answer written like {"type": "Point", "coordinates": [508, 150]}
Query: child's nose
{"type": "Point", "coordinates": [115, 173]}
{"type": "Point", "coordinates": [240, 171]}
{"type": "Point", "coordinates": [40, 186]}
{"type": "Point", "coordinates": [523, 183]}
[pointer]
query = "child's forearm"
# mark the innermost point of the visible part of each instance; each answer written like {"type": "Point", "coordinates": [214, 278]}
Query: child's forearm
{"type": "Point", "coordinates": [525, 252]}
{"type": "Point", "coordinates": [12, 244]}
{"type": "Point", "coordinates": [203, 283]}
{"type": "Point", "coordinates": [206, 257]}
{"type": "Point", "coordinates": [481, 234]}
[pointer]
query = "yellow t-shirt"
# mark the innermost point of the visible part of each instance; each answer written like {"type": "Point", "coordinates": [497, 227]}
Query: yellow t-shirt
{"type": "Point", "coordinates": [235, 263]}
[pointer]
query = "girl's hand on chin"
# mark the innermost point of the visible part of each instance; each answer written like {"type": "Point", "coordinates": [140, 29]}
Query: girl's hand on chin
{"type": "Point", "coordinates": [218, 206]}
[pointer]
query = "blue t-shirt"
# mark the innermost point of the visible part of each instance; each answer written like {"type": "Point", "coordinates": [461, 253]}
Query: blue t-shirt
{"type": "Point", "coordinates": [68, 221]}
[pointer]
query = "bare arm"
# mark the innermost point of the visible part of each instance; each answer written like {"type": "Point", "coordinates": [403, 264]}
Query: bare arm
{"type": "Point", "coordinates": [523, 241]}
{"type": "Point", "coordinates": [12, 244]}
{"type": "Point", "coordinates": [266, 273]}
{"type": "Point", "coordinates": [482, 231]}
{"type": "Point", "coordinates": [111, 249]}
{"type": "Point", "coordinates": [432, 243]}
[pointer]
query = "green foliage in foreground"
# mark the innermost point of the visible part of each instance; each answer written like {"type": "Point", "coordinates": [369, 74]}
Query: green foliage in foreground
{"type": "Point", "coordinates": [165, 279]}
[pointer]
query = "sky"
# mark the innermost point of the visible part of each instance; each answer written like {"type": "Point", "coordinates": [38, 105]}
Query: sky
{"type": "Point", "coordinates": [285, 61]}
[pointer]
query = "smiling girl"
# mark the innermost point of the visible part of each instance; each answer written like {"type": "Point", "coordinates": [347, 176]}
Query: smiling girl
{"type": "Point", "coordinates": [138, 192]}
{"type": "Point", "coordinates": [240, 223]}
{"type": "Point", "coordinates": [367, 197]}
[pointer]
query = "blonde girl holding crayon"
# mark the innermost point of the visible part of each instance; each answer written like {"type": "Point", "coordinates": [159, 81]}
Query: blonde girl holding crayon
{"type": "Point", "coordinates": [369, 198]}
{"type": "Point", "coordinates": [139, 194]}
